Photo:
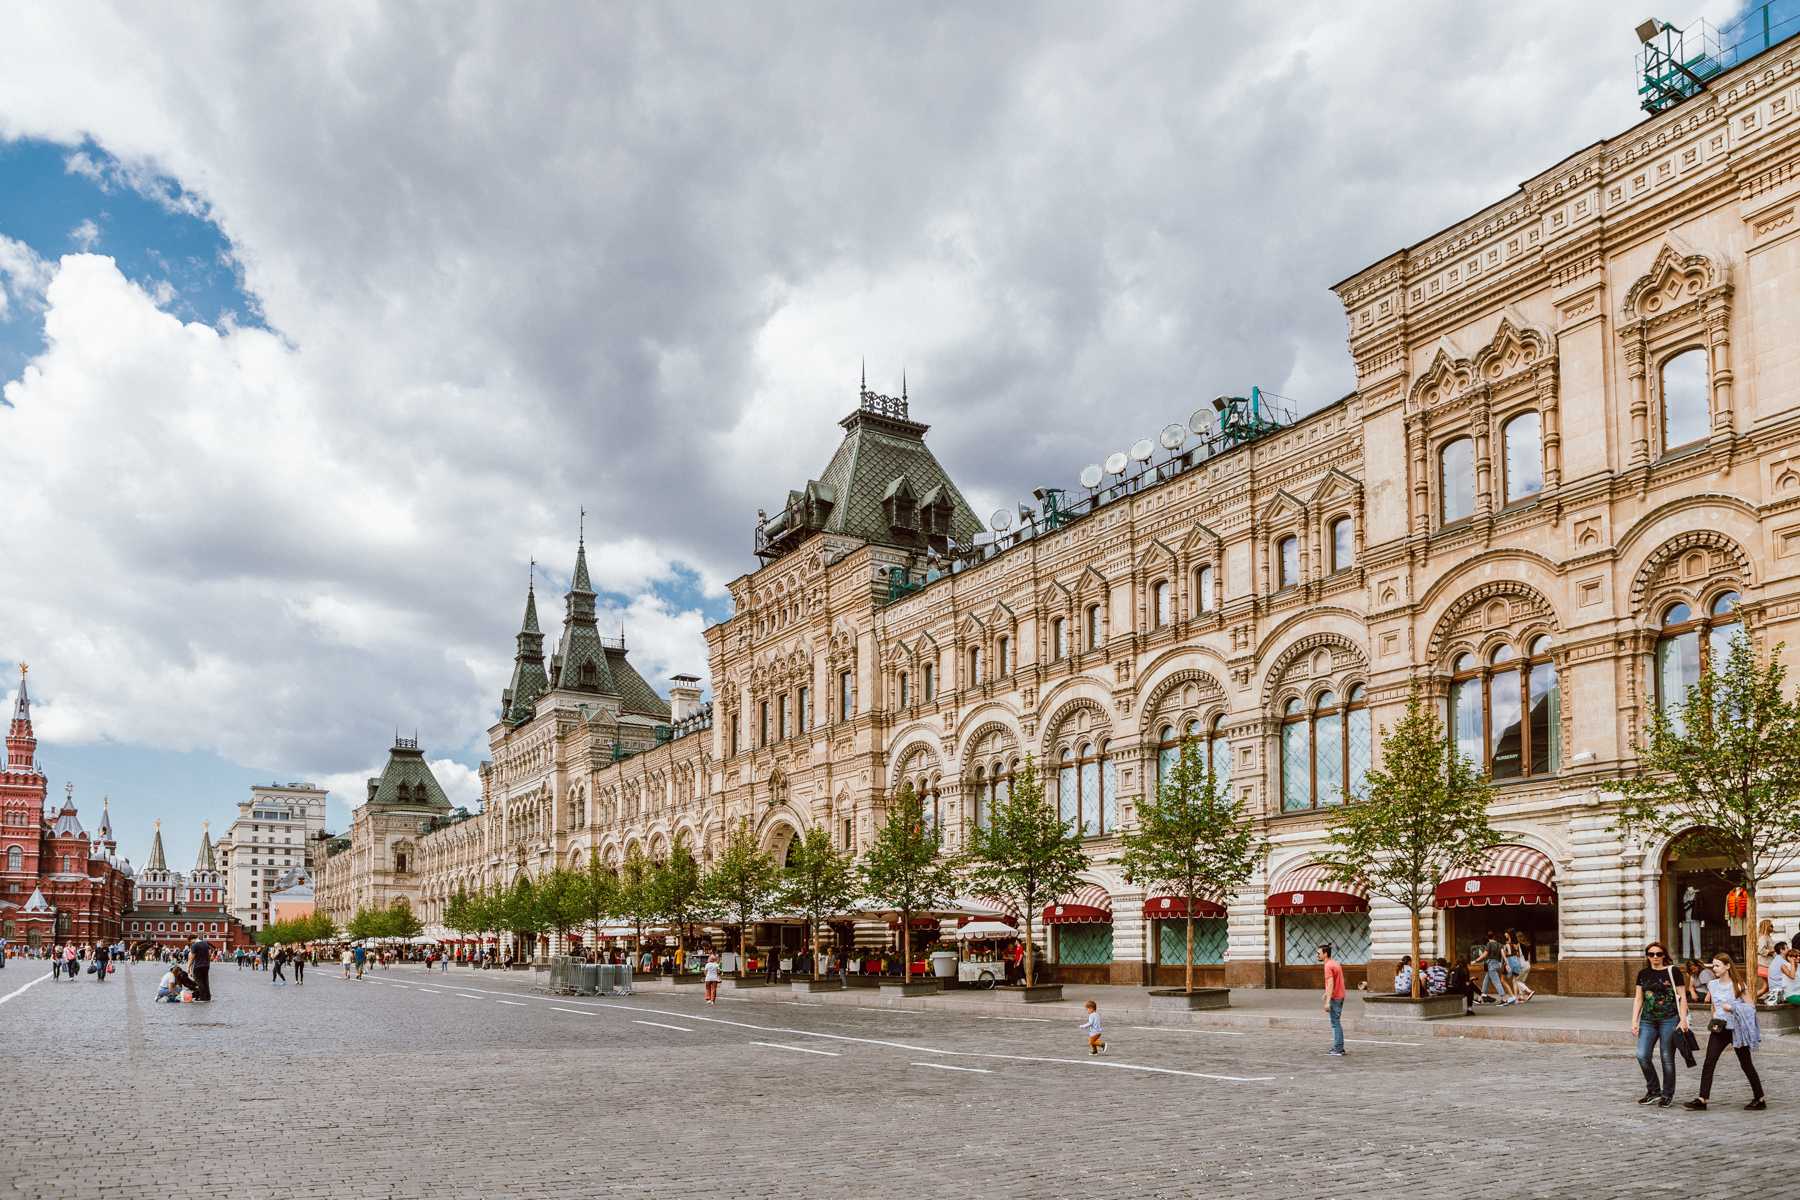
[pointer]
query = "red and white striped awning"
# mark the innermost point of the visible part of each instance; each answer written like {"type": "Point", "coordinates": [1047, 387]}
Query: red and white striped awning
{"type": "Point", "coordinates": [1175, 908]}
{"type": "Point", "coordinates": [1089, 904]}
{"type": "Point", "coordinates": [1305, 890]}
{"type": "Point", "coordinates": [1507, 875]}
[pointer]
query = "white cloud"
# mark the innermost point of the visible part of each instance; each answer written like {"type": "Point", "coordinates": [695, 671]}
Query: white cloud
{"type": "Point", "coordinates": [85, 235]}
{"type": "Point", "coordinates": [23, 277]}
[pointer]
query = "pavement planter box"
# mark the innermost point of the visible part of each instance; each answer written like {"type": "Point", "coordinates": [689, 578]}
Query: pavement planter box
{"type": "Point", "coordinates": [1405, 1008]}
{"type": "Point", "coordinates": [819, 985]}
{"type": "Point", "coordinates": [1778, 1019]}
{"type": "Point", "coordinates": [1176, 1000]}
{"type": "Point", "coordinates": [757, 982]}
{"type": "Point", "coordinates": [1041, 993]}
{"type": "Point", "coordinates": [922, 987]}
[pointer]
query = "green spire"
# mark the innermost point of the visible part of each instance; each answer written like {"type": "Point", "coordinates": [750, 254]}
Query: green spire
{"type": "Point", "coordinates": [529, 681]}
{"type": "Point", "coordinates": [581, 658]}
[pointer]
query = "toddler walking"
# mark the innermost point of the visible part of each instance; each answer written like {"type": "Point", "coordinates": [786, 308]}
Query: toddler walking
{"type": "Point", "coordinates": [1091, 1027]}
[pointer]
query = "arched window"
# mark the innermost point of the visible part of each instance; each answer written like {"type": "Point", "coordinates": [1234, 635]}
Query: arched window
{"type": "Point", "coordinates": [15, 859]}
{"type": "Point", "coordinates": [930, 682]}
{"type": "Point", "coordinates": [1504, 713]}
{"type": "Point", "coordinates": [1168, 753]}
{"type": "Point", "coordinates": [1204, 600]}
{"type": "Point", "coordinates": [905, 691]}
{"type": "Point", "coordinates": [1218, 754]}
{"type": "Point", "coordinates": [1160, 609]}
{"type": "Point", "coordinates": [1343, 544]}
{"type": "Point", "coordinates": [1686, 410]}
{"type": "Point", "coordinates": [1059, 638]}
{"type": "Point", "coordinates": [1456, 480]}
{"type": "Point", "coordinates": [974, 666]}
{"type": "Point", "coordinates": [1087, 789]}
{"type": "Point", "coordinates": [1068, 807]}
{"type": "Point", "coordinates": [1690, 645]}
{"type": "Point", "coordinates": [1318, 761]}
{"type": "Point", "coordinates": [803, 707]}
{"type": "Point", "coordinates": [1003, 656]}
{"type": "Point", "coordinates": [1523, 438]}
{"type": "Point", "coordinates": [1094, 637]}
{"type": "Point", "coordinates": [978, 797]}
{"type": "Point", "coordinates": [1287, 556]}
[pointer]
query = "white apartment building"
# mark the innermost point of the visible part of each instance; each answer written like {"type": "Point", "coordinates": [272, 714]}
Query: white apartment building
{"type": "Point", "coordinates": [271, 836]}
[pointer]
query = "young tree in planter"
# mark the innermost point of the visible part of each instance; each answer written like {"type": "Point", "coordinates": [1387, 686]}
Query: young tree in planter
{"type": "Point", "coordinates": [1027, 855]}
{"type": "Point", "coordinates": [599, 895]}
{"type": "Point", "coordinates": [743, 883]}
{"type": "Point", "coordinates": [680, 893]}
{"type": "Point", "coordinates": [560, 902]}
{"type": "Point", "coordinates": [524, 915]}
{"type": "Point", "coordinates": [1724, 770]}
{"type": "Point", "coordinates": [1191, 840]}
{"type": "Point", "coordinates": [487, 910]}
{"type": "Point", "coordinates": [819, 881]}
{"type": "Point", "coordinates": [635, 898]}
{"type": "Point", "coordinates": [457, 912]}
{"type": "Point", "coordinates": [905, 869]}
{"type": "Point", "coordinates": [1422, 816]}
{"type": "Point", "coordinates": [400, 922]}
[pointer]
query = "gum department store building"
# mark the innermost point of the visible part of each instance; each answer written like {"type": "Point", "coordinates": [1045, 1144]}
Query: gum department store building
{"type": "Point", "coordinates": [1569, 473]}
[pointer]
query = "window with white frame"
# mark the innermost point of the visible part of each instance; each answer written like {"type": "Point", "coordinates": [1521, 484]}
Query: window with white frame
{"type": "Point", "coordinates": [1287, 560]}
{"type": "Point", "coordinates": [1161, 608]}
{"type": "Point", "coordinates": [1523, 446]}
{"type": "Point", "coordinates": [1686, 410]}
{"type": "Point", "coordinates": [1456, 480]}
{"type": "Point", "coordinates": [1204, 598]}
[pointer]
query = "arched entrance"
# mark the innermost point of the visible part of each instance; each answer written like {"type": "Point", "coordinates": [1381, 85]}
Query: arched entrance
{"type": "Point", "coordinates": [1697, 882]}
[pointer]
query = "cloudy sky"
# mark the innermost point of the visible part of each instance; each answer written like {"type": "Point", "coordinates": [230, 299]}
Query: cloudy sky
{"type": "Point", "coordinates": [318, 322]}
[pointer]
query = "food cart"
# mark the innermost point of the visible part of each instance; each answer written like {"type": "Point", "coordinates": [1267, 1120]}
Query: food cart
{"type": "Point", "coordinates": [981, 945]}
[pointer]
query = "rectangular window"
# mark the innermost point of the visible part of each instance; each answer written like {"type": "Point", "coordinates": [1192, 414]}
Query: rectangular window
{"type": "Point", "coordinates": [803, 709]}
{"type": "Point", "coordinates": [846, 695]}
{"type": "Point", "coordinates": [1093, 627]}
{"type": "Point", "coordinates": [1465, 719]}
{"type": "Point", "coordinates": [905, 691]}
{"type": "Point", "coordinates": [930, 682]}
{"type": "Point", "coordinates": [781, 718]}
{"type": "Point", "coordinates": [762, 723]}
{"type": "Point", "coordinates": [849, 833]}
{"type": "Point", "coordinates": [1296, 755]}
{"type": "Point", "coordinates": [1067, 806]}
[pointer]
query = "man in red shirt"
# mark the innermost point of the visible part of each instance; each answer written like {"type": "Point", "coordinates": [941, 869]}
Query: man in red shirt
{"type": "Point", "coordinates": [1334, 997]}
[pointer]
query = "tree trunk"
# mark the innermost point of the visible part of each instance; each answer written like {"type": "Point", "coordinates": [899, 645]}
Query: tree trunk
{"type": "Point", "coordinates": [905, 947]}
{"type": "Point", "coordinates": [1751, 982]}
{"type": "Point", "coordinates": [743, 949]}
{"type": "Point", "coordinates": [1029, 957]}
{"type": "Point", "coordinates": [1418, 963]}
{"type": "Point", "coordinates": [1190, 948]}
{"type": "Point", "coordinates": [812, 936]}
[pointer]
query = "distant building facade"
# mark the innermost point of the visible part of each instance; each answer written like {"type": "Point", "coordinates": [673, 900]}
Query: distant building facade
{"type": "Point", "coordinates": [170, 909]}
{"type": "Point", "coordinates": [377, 864]}
{"type": "Point", "coordinates": [276, 830]}
{"type": "Point", "coordinates": [57, 883]}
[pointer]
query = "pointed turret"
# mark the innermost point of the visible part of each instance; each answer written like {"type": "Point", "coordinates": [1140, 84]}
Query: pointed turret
{"type": "Point", "coordinates": [529, 680]}
{"type": "Point", "coordinates": [205, 860]}
{"type": "Point", "coordinates": [104, 839]}
{"type": "Point", "coordinates": [21, 742]}
{"type": "Point", "coordinates": [157, 861]}
{"type": "Point", "coordinates": [581, 658]}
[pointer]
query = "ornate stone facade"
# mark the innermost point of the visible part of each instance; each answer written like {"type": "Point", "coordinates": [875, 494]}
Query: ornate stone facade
{"type": "Point", "coordinates": [1537, 505]}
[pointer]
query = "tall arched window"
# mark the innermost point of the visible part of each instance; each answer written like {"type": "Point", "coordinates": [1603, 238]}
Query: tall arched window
{"type": "Point", "coordinates": [1204, 600]}
{"type": "Point", "coordinates": [1287, 557]}
{"type": "Point", "coordinates": [1317, 760]}
{"type": "Point", "coordinates": [1523, 438]}
{"type": "Point", "coordinates": [1690, 645]}
{"type": "Point", "coordinates": [1168, 753]}
{"type": "Point", "coordinates": [1343, 544]}
{"type": "Point", "coordinates": [1504, 713]}
{"type": "Point", "coordinates": [1003, 656]}
{"type": "Point", "coordinates": [930, 671]}
{"type": "Point", "coordinates": [974, 666]}
{"type": "Point", "coordinates": [1161, 611]}
{"type": "Point", "coordinates": [905, 691]}
{"type": "Point", "coordinates": [1059, 638]}
{"type": "Point", "coordinates": [1068, 806]}
{"type": "Point", "coordinates": [1094, 634]}
{"type": "Point", "coordinates": [1456, 480]}
{"type": "Point", "coordinates": [15, 859]}
{"type": "Point", "coordinates": [1686, 410]}
{"type": "Point", "coordinates": [1218, 754]}
{"type": "Point", "coordinates": [978, 797]}
{"type": "Point", "coordinates": [1097, 802]}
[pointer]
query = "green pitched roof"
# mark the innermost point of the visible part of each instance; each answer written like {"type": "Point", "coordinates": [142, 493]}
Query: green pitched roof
{"type": "Point", "coordinates": [635, 695]}
{"type": "Point", "coordinates": [529, 679]}
{"type": "Point", "coordinates": [581, 660]}
{"type": "Point", "coordinates": [407, 782]}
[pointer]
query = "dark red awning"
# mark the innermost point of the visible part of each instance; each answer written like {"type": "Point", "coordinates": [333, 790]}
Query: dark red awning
{"type": "Point", "coordinates": [1175, 908]}
{"type": "Point", "coordinates": [1076, 914]}
{"type": "Point", "coordinates": [1478, 891]}
{"type": "Point", "coordinates": [1307, 891]}
{"type": "Point", "coordinates": [1003, 918]}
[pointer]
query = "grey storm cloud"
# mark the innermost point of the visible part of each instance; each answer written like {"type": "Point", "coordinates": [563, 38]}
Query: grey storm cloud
{"type": "Point", "coordinates": [519, 259]}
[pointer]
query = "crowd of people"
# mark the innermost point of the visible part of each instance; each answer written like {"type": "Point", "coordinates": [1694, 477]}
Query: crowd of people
{"type": "Point", "coordinates": [1500, 964]}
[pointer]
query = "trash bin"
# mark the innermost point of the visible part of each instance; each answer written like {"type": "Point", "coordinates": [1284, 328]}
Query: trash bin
{"type": "Point", "coordinates": [943, 964]}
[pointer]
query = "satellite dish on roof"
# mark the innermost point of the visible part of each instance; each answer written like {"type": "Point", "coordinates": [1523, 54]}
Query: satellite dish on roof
{"type": "Point", "coordinates": [1115, 462]}
{"type": "Point", "coordinates": [1203, 423]}
{"type": "Point", "coordinates": [1142, 449]}
{"type": "Point", "coordinates": [1090, 475]}
{"type": "Point", "coordinates": [1172, 436]}
{"type": "Point", "coordinates": [1001, 520]}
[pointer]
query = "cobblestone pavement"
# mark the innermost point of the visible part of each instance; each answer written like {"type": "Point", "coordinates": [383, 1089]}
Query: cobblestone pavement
{"type": "Point", "coordinates": [472, 1084]}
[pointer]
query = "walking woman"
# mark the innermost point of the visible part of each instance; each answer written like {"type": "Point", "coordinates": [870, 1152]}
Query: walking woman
{"type": "Point", "coordinates": [1659, 1015]}
{"type": "Point", "coordinates": [1518, 965]}
{"type": "Point", "coordinates": [1733, 1024]}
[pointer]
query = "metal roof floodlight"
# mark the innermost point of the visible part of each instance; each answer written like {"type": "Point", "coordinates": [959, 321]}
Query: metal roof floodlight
{"type": "Point", "coordinates": [1001, 520]}
{"type": "Point", "coordinates": [1090, 476]}
{"type": "Point", "coordinates": [1648, 29]}
{"type": "Point", "coordinates": [1173, 436]}
{"type": "Point", "coordinates": [1115, 462]}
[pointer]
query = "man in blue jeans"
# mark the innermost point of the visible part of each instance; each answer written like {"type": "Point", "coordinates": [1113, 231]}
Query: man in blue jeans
{"type": "Point", "coordinates": [1659, 1013]}
{"type": "Point", "coordinates": [1334, 997]}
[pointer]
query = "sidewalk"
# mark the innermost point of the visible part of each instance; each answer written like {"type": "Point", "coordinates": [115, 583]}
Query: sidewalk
{"type": "Point", "coordinates": [1579, 1020]}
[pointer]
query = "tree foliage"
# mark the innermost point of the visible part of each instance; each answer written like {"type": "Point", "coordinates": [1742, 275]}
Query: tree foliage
{"type": "Point", "coordinates": [599, 895]}
{"type": "Point", "coordinates": [1723, 770]}
{"type": "Point", "coordinates": [1192, 841]}
{"type": "Point", "coordinates": [636, 896]}
{"type": "Point", "coordinates": [1027, 855]}
{"type": "Point", "coordinates": [819, 880]}
{"type": "Point", "coordinates": [742, 883]}
{"type": "Point", "coordinates": [679, 894]}
{"type": "Point", "coordinates": [1422, 816]}
{"type": "Point", "coordinates": [561, 905]}
{"type": "Point", "coordinates": [905, 869]}
{"type": "Point", "coordinates": [314, 927]}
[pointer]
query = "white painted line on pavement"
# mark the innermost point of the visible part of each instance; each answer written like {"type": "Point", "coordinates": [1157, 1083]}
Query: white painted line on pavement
{"type": "Point", "coordinates": [948, 1067]}
{"type": "Point", "coordinates": [1040, 1020]}
{"type": "Point", "coordinates": [1375, 1042]}
{"type": "Point", "coordinates": [16, 991]}
{"type": "Point", "coordinates": [802, 1004]}
{"type": "Point", "coordinates": [798, 1049]}
{"type": "Point", "coordinates": [583, 1012]}
{"type": "Point", "coordinates": [428, 991]}
{"type": "Point", "coordinates": [660, 1025]}
{"type": "Point", "coordinates": [466, 996]}
{"type": "Point", "coordinates": [1167, 1029]}
{"type": "Point", "coordinates": [514, 1003]}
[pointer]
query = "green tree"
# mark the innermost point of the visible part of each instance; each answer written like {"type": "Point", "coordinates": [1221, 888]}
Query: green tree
{"type": "Point", "coordinates": [399, 921]}
{"type": "Point", "coordinates": [1191, 841]}
{"type": "Point", "coordinates": [524, 915]}
{"type": "Point", "coordinates": [459, 913]}
{"type": "Point", "coordinates": [599, 895]}
{"type": "Point", "coordinates": [364, 925]}
{"type": "Point", "coordinates": [1026, 855]}
{"type": "Point", "coordinates": [1723, 771]}
{"type": "Point", "coordinates": [742, 883]}
{"type": "Point", "coordinates": [905, 868]}
{"type": "Point", "coordinates": [679, 893]}
{"type": "Point", "coordinates": [1421, 816]}
{"type": "Point", "coordinates": [818, 881]}
{"type": "Point", "coordinates": [636, 897]}
{"type": "Point", "coordinates": [560, 901]}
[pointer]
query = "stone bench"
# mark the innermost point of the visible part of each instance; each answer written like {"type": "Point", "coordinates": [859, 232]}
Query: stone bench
{"type": "Point", "coordinates": [1405, 1008]}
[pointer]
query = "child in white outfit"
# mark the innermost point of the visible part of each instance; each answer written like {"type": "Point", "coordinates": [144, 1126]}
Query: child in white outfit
{"type": "Point", "coordinates": [1091, 1027]}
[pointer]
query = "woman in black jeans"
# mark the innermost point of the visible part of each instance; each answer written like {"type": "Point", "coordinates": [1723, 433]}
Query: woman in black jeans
{"type": "Point", "coordinates": [1723, 991]}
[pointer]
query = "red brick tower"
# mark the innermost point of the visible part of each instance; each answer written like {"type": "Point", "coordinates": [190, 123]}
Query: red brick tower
{"type": "Point", "coordinates": [23, 789]}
